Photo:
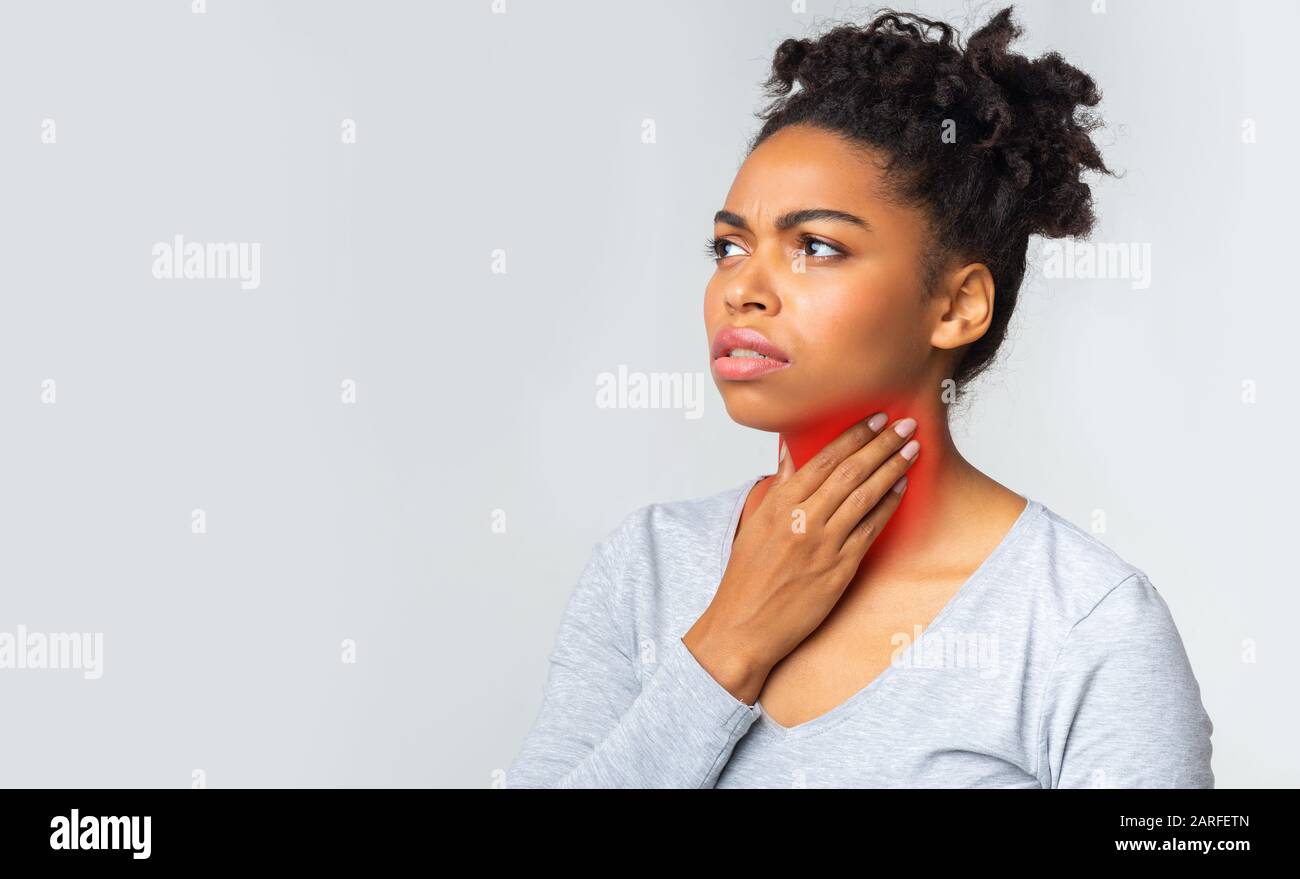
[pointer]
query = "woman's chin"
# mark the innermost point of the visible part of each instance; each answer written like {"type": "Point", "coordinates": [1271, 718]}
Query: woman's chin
{"type": "Point", "coordinates": [751, 410]}
{"type": "Point", "coordinates": [757, 414]}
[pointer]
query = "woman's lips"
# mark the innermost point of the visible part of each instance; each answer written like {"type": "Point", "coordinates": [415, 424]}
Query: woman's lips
{"type": "Point", "coordinates": [742, 368]}
{"type": "Point", "coordinates": [747, 366]}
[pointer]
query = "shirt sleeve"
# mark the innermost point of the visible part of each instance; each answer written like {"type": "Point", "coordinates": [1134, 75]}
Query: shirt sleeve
{"type": "Point", "coordinates": [601, 726]}
{"type": "Point", "coordinates": [1122, 707]}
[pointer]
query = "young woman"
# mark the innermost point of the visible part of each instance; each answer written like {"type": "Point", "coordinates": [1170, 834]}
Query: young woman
{"type": "Point", "coordinates": [878, 612]}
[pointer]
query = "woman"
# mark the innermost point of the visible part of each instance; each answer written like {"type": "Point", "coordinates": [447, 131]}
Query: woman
{"type": "Point", "coordinates": [778, 634]}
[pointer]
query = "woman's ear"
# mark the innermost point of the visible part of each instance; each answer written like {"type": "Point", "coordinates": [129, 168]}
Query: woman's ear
{"type": "Point", "coordinates": [964, 306]}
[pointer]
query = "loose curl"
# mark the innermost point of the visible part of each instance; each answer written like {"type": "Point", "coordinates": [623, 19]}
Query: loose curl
{"type": "Point", "coordinates": [1022, 139]}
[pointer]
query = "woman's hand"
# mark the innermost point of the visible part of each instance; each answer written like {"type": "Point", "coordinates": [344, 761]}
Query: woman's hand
{"type": "Point", "coordinates": [798, 551]}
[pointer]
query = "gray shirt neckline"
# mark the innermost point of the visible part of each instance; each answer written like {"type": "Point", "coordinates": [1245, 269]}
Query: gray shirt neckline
{"type": "Point", "coordinates": [979, 576]}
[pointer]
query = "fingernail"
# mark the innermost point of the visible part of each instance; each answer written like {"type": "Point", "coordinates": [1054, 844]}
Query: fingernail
{"type": "Point", "coordinates": [900, 484]}
{"type": "Point", "coordinates": [909, 451]}
{"type": "Point", "coordinates": [877, 421]}
{"type": "Point", "coordinates": [785, 452]}
{"type": "Point", "coordinates": [906, 426]}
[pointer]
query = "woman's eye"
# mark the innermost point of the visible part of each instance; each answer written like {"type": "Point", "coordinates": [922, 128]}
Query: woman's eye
{"type": "Point", "coordinates": [717, 248]}
{"type": "Point", "coordinates": [809, 243]}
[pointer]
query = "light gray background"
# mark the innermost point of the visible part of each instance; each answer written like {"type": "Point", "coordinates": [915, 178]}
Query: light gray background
{"type": "Point", "coordinates": [476, 390]}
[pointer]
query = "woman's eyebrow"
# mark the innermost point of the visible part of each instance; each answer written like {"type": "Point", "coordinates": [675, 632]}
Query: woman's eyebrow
{"type": "Point", "coordinates": [794, 218]}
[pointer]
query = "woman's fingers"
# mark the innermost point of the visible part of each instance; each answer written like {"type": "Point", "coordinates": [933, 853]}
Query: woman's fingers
{"type": "Point", "coordinates": [901, 451]}
{"type": "Point", "coordinates": [785, 467]}
{"type": "Point", "coordinates": [809, 478]}
{"type": "Point", "coordinates": [850, 475]}
{"type": "Point", "coordinates": [864, 533]}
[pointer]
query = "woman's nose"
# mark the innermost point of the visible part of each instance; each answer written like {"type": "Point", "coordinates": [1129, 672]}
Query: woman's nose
{"type": "Point", "coordinates": [751, 287]}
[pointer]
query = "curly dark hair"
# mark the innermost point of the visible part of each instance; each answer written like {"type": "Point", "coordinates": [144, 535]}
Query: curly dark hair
{"type": "Point", "coordinates": [1011, 171]}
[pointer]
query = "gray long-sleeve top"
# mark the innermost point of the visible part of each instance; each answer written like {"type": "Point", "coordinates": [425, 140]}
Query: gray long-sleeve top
{"type": "Point", "coordinates": [1056, 665]}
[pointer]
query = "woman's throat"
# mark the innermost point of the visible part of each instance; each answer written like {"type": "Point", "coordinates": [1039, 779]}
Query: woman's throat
{"type": "Point", "coordinates": [811, 438]}
{"type": "Point", "coordinates": [908, 521]}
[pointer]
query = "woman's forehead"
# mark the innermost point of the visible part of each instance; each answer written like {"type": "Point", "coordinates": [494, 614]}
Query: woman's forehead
{"type": "Point", "coordinates": [801, 167]}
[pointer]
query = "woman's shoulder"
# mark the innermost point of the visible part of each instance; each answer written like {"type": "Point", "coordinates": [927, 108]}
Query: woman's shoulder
{"type": "Point", "coordinates": [696, 522]}
{"type": "Point", "coordinates": [1122, 706]}
{"type": "Point", "coordinates": [664, 559]}
{"type": "Point", "coordinates": [1072, 571]}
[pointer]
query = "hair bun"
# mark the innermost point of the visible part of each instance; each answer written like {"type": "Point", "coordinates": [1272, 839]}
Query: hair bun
{"type": "Point", "coordinates": [1035, 127]}
{"type": "Point", "coordinates": [787, 60]}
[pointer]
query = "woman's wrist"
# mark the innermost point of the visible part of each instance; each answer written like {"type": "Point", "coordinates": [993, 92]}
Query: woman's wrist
{"type": "Point", "coordinates": [727, 658]}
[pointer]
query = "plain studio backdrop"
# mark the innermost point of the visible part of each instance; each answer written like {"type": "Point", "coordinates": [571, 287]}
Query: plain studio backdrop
{"type": "Point", "coordinates": [326, 524]}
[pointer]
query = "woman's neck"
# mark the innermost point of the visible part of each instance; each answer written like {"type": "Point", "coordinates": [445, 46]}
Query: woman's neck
{"type": "Point", "coordinates": [943, 489]}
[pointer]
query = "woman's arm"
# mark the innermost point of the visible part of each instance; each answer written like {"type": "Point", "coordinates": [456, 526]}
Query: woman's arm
{"type": "Point", "coordinates": [601, 726]}
{"type": "Point", "coordinates": [1123, 708]}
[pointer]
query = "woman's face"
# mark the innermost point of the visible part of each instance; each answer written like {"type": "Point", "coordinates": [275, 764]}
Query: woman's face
{"type": "Point", "coordinates": [840, 298]}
